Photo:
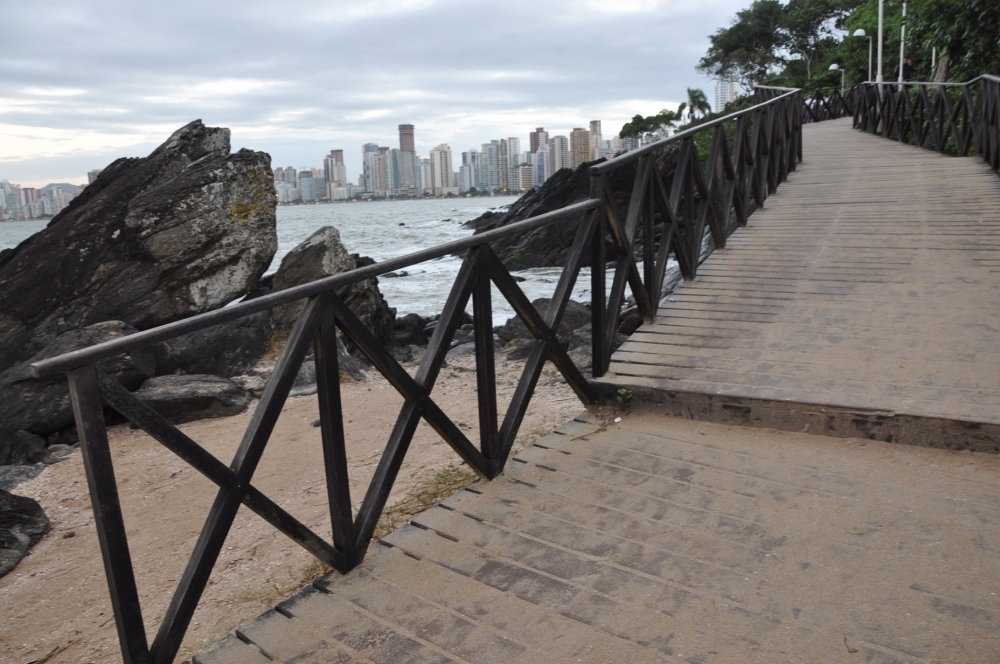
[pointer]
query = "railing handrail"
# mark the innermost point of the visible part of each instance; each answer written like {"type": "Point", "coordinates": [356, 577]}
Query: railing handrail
{"type": "Point", "coordinates": [108, 349]}
{"type": "Point", "coordinates": [946, 117]}
{"type": "Point", "coordinates": [632, 155]}
{"type": "Point", "coordinates": [946, 84]}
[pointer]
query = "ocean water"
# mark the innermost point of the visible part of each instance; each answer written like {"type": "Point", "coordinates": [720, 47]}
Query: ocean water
{"type": "Point", "coordinates": [388, 229]}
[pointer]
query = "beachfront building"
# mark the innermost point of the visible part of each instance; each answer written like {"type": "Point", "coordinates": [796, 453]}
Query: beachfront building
{"type": "Point", "coordinates": [441, 173]}
{"type": "Point", "coordinates": [579, 147]}
{"type": "Point", "coordinates": [595, 138]}
{"type": "Point", "coordinates": [526, 177]}
{"type": "Point", "coordinates": [536, 138]}
{"type": "Point", "coordinates": [489, 159]}
{"type": "Point", "coordinates": [725, 92]}
{"type": "Point", "coordinates": [334, 170]}
{"type": "Point", "coordinates": [558, 153]}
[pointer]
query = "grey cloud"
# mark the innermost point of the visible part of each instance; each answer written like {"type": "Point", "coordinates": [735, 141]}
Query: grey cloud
{"type": "Point", "coordinates": [145, 64]}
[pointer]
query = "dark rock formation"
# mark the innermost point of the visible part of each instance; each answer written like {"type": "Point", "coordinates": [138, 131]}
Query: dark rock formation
{"type": "Point", "coordinates": [22, 525]}
{"type": "Point", "coordinates": [21, 447]}
{"type": "Point", "coordinates": [323, 255]}
{"type": "Point", "coordinates": [410, 331]}
{"type": "Point", "coordinates": [183, 231]}
{"type": "Point", "coordinates": [43, 406]}
{"type": "Point", "coordinates": [229, 349]}
{"type": "Point", "coordinates": [576, 316]}
{"type": "Point", "coordinates": [197, 397]}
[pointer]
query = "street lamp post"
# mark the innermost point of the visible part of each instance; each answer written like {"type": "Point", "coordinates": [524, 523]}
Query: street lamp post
{"type": "Point", "coordinates": [878, 77]}
{"type": "Point", "coordinates": [902, 44]}
{"type": "Point", "coordinates": [860, 32]}
{"type": "Point", "coordinates": [836, 67]}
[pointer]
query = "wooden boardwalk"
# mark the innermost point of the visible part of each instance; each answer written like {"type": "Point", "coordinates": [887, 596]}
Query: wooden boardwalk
{"type": "Point", "coordinates": [870, 282]}
{"type": "Point", "coordinates": [663, 540]}
{"type": "Point", "coordinates": [863, 301]}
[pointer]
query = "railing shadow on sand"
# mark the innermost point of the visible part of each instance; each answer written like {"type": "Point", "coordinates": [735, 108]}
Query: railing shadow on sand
{"type": "Point", "coordinates": [950, 118]}
{"type": "Point", "coordinates": [705, 180]}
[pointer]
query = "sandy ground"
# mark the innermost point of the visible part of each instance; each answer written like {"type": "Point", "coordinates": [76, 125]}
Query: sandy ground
{"type": "Point", "coordinates": [54, 607]}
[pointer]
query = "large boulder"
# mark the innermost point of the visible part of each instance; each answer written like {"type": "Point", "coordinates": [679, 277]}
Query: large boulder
{"type": "Point", "coordinates": [228, 349]}
{"type": "Point", "coordinates": [43, 406]}
{"type": "Point", "coordinates": [575, 316]}
{"type": "Point", "coordinates": [185, 230]}
{"type": "Point", "coordinates": [197, 397]}
{"type": "Point", "coordinates": [323, 255]}
{"type": "Point", "coordinates": [22, 524]}
{"type": "Point", "coordinates": [22, 447]}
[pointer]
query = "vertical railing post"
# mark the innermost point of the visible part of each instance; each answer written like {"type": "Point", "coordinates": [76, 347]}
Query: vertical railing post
{"type": "Point", "coordinates": [486, 391]}
{"type": "Point", "coordinates": [598, 297]}
{"type": "Point", "coordinates": [89, 412]}
{"type": "Point", "coordinates": [331, 419]}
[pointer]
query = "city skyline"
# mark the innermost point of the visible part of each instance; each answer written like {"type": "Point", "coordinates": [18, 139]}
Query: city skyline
{"type": "Point", "coordinates": [499, 166]}
{"type": "Point", "coordinates": [331, 73]}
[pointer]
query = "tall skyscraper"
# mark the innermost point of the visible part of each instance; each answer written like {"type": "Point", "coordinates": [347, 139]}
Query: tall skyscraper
{"type": "Point", "coordinates": [468, 174]}
{"type": "Point", "coordinates": [92, 175]}
{"type": "Point", "coordinates": [441, 173]}
{"type": "Point", "coordinates": [334, 171]}
{"type": "Point", "coordinates": [406, 143]}
{"type": "Point", "coordinates": [579, 147]}
{"type": "Point", "coordinates": [595, 138]}
{"type": "Point", "coordinates": [725, 92]}
{"type": "Point", "coordinates": [489, 160]}
{"type": "Point", "coordinates": [503, 166]}
{"type": "Point", "coordinates": [542, 166]}
{"type": "Point", "coordinates": [373, 162]}
{"type": "Point", "coordinates": [536, 137]}
{"type": "Point", "coordinates": [558, 153]}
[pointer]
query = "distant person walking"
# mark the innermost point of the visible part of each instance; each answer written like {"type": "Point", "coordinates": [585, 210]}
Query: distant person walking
{"type": "Point", "coordinates": [907, 71]}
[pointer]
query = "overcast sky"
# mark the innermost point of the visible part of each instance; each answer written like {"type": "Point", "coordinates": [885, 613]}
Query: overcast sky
{"type": "Point", "coordinates": [83, 83]}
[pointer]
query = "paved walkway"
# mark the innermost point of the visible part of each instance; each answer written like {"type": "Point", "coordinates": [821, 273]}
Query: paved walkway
{"type": "Point", "coordinates": [871, 280]}
{"type": "Point", "coordinates": [660, 539]}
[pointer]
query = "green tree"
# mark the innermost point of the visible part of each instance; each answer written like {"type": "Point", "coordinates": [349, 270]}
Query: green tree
{"type": "Point", "coordinates": [966, 34]}
{"type": "Point", "coordinates": [749, 49]}
{"type": "Point", "coordinates": [652, 126]}
{"type": "Point", "coordinates": [697, 104]}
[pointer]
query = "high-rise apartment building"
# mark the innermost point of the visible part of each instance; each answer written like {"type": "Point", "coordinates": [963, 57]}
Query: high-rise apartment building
{"type": "Point", "coordinates": [558, 153]}
{"type": "Point", "coordinates": [441, 173]}
{"type": "Point", "coordinates": [489, 160]}
{"type": "Point", "coordinates": [406, 143]}
{"type": "Point", "coordinates": [542, 164]}
{"type": "Point", "coordinates": [373, 165]}
{"type": "Point", "coordinates": [526, 175]}
{"type": "Point", "coordinates": [468, 173]}
{"type": "Point", "coordinates": [92, 175]}
{"type": "Point", "coordinates": [595, 138]}
{"type": "Point", "coordinates": [725, 92]}
{"type": "Point", "coordinates": [537, 137]}
{"type": "Point", "coordinates": [579, 147]}
{"type": "Point", "coordinates": [334, 171]}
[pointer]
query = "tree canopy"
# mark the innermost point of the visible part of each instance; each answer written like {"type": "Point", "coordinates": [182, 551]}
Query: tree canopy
{"type": "Point", "coordinates": [794, 43]}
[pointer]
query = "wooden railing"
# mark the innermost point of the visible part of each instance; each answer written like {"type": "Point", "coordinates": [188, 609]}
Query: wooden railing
{"type": "Point", "coordinates": [950, 118]}
{"type": "Point", "coordinates": [707, 176]}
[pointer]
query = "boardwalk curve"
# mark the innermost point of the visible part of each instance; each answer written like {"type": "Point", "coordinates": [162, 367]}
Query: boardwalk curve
{"type": "Point", "coordinates": [870, 285]}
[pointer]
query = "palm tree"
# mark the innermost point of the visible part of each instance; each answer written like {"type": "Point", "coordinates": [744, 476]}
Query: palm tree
{"type": "Point", "coordinates": [697, 103]}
